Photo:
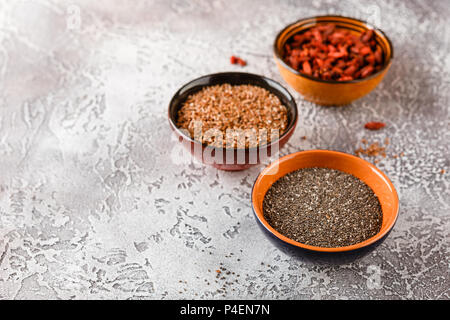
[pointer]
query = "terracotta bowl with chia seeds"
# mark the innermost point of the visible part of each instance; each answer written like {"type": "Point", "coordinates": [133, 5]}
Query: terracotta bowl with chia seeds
{"type": "Point", "coordinates": [242, 156]}
{"type": "Point", "coordinates": [347, 164]}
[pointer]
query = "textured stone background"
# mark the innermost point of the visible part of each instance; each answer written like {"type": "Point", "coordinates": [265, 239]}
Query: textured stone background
{"type": "Point", "coordinates": [92, 204]}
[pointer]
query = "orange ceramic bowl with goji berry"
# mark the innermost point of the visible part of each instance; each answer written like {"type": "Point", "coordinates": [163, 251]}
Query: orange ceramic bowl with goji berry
{"type": "Point", "coordinates": [331, 91]}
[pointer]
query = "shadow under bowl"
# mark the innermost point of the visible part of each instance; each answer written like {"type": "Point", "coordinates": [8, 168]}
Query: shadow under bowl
{"type": "Point", "coordinates": [363, 170]}
{"type": "Point", "coordinates": [228, 158]}
{"type": "Point", "coordinates": [330, 92]}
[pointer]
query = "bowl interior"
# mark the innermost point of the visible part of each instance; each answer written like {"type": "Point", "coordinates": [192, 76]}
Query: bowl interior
{"type": "Point", "coordinates": [353, 25]}
{"type": "Point", "coordinates": [359, 168]}
{"type": "Point", "coordinates": [233, 78]}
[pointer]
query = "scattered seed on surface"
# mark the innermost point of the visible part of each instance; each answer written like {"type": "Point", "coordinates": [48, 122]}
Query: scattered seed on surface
{"type": "Point", "coordinates": [373, 150]}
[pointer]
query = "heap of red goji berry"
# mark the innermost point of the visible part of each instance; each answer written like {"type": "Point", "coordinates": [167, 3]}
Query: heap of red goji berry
{"type": "Point", "coordinates": [332, 53]}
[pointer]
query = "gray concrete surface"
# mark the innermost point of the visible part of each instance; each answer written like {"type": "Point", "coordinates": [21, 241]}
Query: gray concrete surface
{"type": "Point", "coordinates": [93, 205]}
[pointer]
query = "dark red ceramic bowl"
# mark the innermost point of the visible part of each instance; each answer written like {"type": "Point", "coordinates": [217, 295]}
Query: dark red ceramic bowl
{"type": "Point", "coordinates": [232, 159]}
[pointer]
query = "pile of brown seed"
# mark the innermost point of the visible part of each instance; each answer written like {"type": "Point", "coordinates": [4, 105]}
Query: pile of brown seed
{"type": "Point", "coordinates": [323, 207]}
{"type": "Point", "coordinates": [235, 113]}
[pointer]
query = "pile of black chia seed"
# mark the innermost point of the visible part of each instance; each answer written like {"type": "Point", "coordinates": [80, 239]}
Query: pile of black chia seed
{"type": "Point", "coordinates": [323, 207]}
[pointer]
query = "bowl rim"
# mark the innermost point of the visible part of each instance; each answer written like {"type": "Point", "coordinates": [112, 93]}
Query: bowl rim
{"type": "Point", "coordinates": [260, 215]}
{"type": "Point", "coordinates": [366, 24]}
{"type": "Point", "coordinates": [291, 126]}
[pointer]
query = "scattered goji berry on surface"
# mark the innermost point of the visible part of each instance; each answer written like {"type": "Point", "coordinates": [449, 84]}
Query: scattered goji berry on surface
{"type": "Point", "coordinates": [373, 125]}
{"type": "Point", "coordinates": [237, 60]}
{"type": "Point", "coordinates": [242, 62]}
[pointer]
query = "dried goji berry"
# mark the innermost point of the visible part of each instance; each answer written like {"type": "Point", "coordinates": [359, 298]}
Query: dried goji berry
{"type": "Point", "coordinates": [307, 67]}
{"type": "Point", "coordinates": [373, 125]}
{"type": "Point", "coordinates": [378, 55]}
{"type": "Point", "coordinates": [350, 70]}
{"type": "Point", "coordinates": [336, 72]}
{"type": "Point", "coordinates": [242, 62]}
{"type": "Point", "coordinates": [365, 50]}
{"type": "Point", "coordinates": [319, 62]}
{"type": "Point", "coordinates": [367, 35]}
{"type": "Point", "coordinates": [237, 60]}
{"type": "Point", "coordinates": [345, 78]}
{"type": "Point", "coordinates": [366, 71]}
{"type": "Point", "coordinates": [317, 35]}
{"type": "Point", "coordinates": [340, 64]}
{"type": "Point", "coordinates": [336, 54]}
{"type": "Point", "coordinates": [299, 38]}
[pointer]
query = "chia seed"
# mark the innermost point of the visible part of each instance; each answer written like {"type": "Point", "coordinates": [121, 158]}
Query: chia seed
{"type": "Point", "coordinates": [323, 207]}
